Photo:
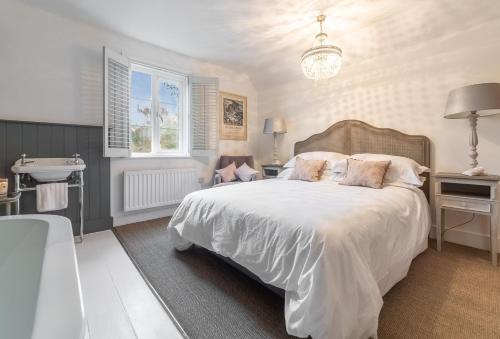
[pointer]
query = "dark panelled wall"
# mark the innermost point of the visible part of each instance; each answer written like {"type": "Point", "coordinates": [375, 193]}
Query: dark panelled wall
{"type": "Point", "coordinates": [61, 141]}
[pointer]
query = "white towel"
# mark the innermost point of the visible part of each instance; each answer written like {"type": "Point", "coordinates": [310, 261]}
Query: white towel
{"type": "Point", "coordinates": [51, 197]}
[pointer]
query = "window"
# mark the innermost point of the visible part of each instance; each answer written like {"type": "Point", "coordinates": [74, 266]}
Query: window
{"type": "Point", "coordinates": [158, 112]}
{"type": "Point", "coordinates": [151, 112]}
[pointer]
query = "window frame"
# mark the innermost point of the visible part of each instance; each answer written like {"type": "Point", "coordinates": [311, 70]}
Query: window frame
{"type": "Point", "coordinates": [184, 150]}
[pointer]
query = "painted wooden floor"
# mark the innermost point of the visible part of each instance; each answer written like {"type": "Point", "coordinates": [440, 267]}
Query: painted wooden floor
{"type": "Point", "coordinates": [118, 303]}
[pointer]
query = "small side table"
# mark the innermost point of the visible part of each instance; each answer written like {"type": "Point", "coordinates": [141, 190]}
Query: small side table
{"type": "Point", "coordinates": [9, 199]}
{"type": "Point", "coordinates": [472, 194]}
{"type": "Point", "coordinates": [271, 171]}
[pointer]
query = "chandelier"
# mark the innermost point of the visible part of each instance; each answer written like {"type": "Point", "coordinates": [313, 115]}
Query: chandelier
{"type": "Point", "coordinates": [322, 61]}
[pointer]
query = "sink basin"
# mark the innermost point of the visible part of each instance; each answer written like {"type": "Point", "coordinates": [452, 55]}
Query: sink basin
{"type": "Point", "coordinates": [48, 169]}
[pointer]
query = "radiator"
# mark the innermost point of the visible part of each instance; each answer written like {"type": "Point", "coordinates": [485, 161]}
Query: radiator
{"type": "Point", "coordinates": [154, 188]}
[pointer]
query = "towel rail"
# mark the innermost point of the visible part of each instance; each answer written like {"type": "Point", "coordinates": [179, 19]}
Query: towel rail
{"type": "Point", "coordinates": [27, 189]}
{"type": "Point", "coordinates": [80, 184]}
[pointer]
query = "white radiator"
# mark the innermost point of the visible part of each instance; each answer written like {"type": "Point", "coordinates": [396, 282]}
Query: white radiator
{"type": "Point", "coordinates": [154, 188]}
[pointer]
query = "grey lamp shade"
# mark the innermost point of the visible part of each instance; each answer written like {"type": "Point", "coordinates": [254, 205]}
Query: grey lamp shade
{"type": "Point", "coordinates": [484, 99]}
{"type": "Point", "coordinates": [274, 125]}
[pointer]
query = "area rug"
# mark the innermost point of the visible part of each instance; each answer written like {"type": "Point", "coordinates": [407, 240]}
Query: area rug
{"type": "Point", "coordinates": [452, 294]}
{"type": "Point", "coordinates": [207, 297]}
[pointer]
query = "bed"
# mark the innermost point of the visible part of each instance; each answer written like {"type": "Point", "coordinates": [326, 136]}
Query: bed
{"type": "Point", "coordinates": [335, 250]}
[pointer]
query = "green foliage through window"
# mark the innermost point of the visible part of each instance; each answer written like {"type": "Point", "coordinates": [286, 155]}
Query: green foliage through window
{"type": "Point", "coordinates": [156, 110]}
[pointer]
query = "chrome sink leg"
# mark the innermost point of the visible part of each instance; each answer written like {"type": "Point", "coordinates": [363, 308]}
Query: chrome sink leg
{"type": "Point", "coordinates": [80, 200]}
{"type": "Point", "coordinates": [17, 188]}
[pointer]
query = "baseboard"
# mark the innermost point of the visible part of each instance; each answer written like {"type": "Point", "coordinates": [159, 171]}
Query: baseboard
{"type": "Point", "coordinates": [97, 225]}
{"type": "Point", "coordinates": [92, 225]}
{"type": "Point", "coordinates": [139, 216]}
{"type": "Point", "coordinates": [465, 237]}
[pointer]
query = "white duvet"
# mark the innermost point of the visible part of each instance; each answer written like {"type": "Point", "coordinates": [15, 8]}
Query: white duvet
{"type": "Point", "coordinates": [334, 249]}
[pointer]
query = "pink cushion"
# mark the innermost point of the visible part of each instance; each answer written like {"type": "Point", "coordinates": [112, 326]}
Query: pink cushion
{"type": "Point", "coordinates": [365, 173]}
{"type": "Point", "coordinates": [227, 173]}
{"type": "Point", "coordinates": [307, 170]}
{"type": "Point", "coordinates": [245, 172]}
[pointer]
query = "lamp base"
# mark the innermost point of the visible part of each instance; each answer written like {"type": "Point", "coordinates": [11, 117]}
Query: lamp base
{"type": "Point", "coordinates": [276, 162]}
{"type": "Point", "coordinates": [478, 170]}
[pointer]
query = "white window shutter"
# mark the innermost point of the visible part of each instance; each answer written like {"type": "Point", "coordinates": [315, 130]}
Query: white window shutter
{"type": "Point", "coordinates": [116, 104]}
{"type": "Point", "coordinates": [203, 93]}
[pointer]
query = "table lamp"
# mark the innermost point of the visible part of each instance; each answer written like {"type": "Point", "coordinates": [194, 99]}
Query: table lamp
{"type": "Point", "coordinates": [275, 126]}
{"type": "Point", "coordinates": [471, 102]}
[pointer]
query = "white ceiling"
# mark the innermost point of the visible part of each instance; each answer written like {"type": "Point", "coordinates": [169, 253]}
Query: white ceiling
{"type": "Point", "coordinates": [265, 38]}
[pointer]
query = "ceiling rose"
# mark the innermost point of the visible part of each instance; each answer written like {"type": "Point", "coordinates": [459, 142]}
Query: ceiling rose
{"type": "Point", "coordinates": [322, 61]}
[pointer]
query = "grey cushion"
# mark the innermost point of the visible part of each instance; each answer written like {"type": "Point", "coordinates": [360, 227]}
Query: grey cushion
{"type": "Point", "coordinates": [218, 180]}
{"type": "Point", "coordinates": [227, 183]}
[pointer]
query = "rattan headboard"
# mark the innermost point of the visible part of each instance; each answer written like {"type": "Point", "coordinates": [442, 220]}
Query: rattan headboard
{"type": "Point", "coordinates": [354, 136]}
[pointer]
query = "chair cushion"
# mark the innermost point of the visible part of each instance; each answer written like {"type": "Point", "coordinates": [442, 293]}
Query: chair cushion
{"type": "Point", "coordinates": [228, 183]}
{"type": "Point", "coordinates": [245, 172]}
{"type": "Point", "coordinates": [227, 173]}
{"type": "Point", "coordinates": [226, 160]}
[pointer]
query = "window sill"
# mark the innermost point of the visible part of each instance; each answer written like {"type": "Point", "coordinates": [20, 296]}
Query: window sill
{"type": "Point", "coordinates": [160, 156]}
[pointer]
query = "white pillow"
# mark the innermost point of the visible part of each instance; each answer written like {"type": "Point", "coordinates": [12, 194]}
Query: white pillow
{"type": "Point", "coordinates": [332, 176]}
{"type": "Point", "coordinates": [285, 174]}
{"type": "Point", "coordinates": [227, 173]}
{"type": "Point", "coordinates": [402, 169]}
{"type": "Point", "coordinates": [331, 158]}
{"type": "Point", "coordinates": [245, 172]}
{"type": "Point", "coordinates": [340, 167]}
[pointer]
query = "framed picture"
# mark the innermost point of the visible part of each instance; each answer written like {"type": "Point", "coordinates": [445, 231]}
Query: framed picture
{"type": "Point", "coordinates": [233, 117]}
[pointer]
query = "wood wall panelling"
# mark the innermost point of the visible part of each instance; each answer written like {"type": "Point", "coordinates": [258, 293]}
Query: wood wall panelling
{"type": "Point", "coordinates": [57, 140]}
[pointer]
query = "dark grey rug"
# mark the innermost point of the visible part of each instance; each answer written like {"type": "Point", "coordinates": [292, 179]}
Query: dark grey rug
{"type": "Point", "coordinates": [207, 297]}
{"type": "Point", "coordinates": [448, 294]}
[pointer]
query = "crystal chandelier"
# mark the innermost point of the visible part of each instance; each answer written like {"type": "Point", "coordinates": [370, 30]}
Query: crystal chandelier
{"type": "Point", "coordinates": [322, 61]}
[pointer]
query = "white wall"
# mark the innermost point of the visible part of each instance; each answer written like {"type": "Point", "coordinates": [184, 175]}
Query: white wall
{"type": "Point", "coordinates": [402, 86]}
{"type": "Point", "coordinates": [397, 74]}
{"type": "Point", "coordinates": [51, 71]}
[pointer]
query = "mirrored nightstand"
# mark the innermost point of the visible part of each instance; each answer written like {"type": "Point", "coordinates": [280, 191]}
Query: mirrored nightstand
{"type": "Point", "coordinates": [271, 171]}
{"type": "Point", "coordinates": [476, 194]}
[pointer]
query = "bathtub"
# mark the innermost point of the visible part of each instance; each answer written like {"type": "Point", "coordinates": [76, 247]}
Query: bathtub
{"type": "Point", "coordinates": [40, 294]}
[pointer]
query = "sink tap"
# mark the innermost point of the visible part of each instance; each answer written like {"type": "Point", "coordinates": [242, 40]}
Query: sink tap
{"type": "Point", "coordinates": [76, 159]}
{"type": "Point", "coordinates": [24, 161]}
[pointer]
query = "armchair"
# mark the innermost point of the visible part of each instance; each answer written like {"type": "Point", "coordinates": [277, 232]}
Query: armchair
{"type": "Point", "coordinates": [226, 160]}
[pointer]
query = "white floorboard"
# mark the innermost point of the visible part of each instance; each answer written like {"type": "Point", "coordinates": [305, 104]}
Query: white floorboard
{"type": "Point", "coordinates": [118, 303]}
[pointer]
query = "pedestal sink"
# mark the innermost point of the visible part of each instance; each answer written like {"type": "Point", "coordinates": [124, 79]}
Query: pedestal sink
{"type": "Point", "coordinates": [48, 169]}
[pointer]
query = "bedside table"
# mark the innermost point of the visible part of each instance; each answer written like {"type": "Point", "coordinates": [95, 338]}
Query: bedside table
{"type": "Point", "coordinates": [476, 194]}
{"type": "Point", "coordinates": [271, 171]}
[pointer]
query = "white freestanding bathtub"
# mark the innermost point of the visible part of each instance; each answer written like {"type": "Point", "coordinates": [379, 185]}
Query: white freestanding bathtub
{"type": "Point", "coordinates": [40, 295]}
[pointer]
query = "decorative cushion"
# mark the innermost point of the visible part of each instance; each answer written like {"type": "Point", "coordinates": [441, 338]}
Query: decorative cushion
{"type": "Point", "coordinates": [227, 173]}
{"type": "Point", "coordinates": [331, 158]}
{"type": "Point", "coordinates": [238, 160]}
{"type": "Point", "coordinates": [245, 172]}
{"type": "Point", "coordinates": [365, 173]}
{"type": "Point", "coordinates": [307, 170]}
